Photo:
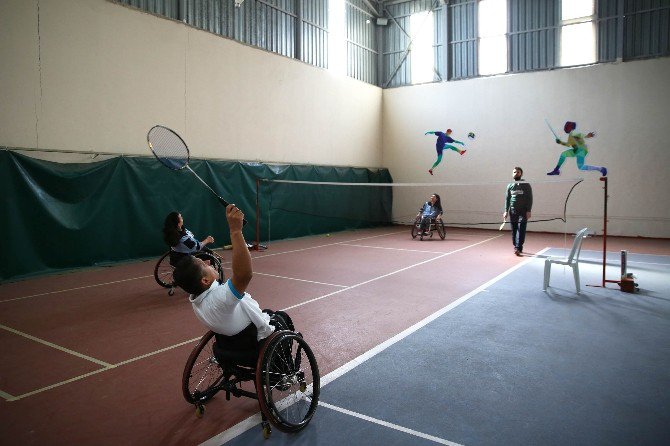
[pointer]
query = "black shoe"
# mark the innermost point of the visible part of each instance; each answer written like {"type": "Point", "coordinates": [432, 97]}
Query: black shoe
{"type": "Point", "coordinates": [517, 253]}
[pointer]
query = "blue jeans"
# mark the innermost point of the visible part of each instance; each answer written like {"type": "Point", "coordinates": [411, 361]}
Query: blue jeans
{"type": "Point", "coordinates": [518, 220]}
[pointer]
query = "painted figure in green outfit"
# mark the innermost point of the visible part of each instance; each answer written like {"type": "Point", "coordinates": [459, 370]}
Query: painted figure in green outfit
{"type": "Point", "coordinates": [578, 149]}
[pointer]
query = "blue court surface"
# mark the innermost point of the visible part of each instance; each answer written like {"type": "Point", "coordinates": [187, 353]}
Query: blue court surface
{"type": "Point", "coordinates": [510, 364]}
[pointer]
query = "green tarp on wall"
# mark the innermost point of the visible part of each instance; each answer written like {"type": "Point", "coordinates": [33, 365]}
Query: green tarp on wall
{"type": "Point", "coordinates": [62, 216]}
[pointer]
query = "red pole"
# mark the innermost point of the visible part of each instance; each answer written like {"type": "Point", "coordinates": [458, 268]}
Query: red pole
{"type": "Point", "coordinates": [604, 230]}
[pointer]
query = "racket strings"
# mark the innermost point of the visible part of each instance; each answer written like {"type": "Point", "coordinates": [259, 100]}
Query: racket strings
{"type": "Point", "coordinates": [168, 147]}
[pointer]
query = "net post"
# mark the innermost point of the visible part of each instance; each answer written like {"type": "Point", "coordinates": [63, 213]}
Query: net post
{"type": "Point", "coordinates": [604, 179]}
{"type": "Point", "coordinates": [256, 246]}
{"type": "Point", "coordinates": [258, 216]}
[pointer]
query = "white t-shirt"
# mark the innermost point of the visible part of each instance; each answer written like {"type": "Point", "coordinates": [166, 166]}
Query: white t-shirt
{"type": "Point", "coordinates": [225, 311]}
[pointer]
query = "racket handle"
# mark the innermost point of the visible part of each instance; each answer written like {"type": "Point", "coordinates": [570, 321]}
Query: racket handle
{"type": "Point", "coordinates": [225, 204]}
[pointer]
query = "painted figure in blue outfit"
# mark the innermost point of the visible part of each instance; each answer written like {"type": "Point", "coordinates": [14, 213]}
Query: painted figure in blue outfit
{"type": "Point", "coordinates": [431, 209]}
{"type": "Point", "coordinates": [444, 141]}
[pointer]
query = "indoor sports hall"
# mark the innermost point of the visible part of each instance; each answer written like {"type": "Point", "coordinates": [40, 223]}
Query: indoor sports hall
{"type": "Point", "coordinates": [456, 210]}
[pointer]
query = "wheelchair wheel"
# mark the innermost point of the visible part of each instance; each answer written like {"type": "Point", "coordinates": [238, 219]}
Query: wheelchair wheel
{"type": "Point", "coordinates": [415, 227]}
{"type": "Point", "coordinates": [287, 381]}
{"type": "Point", "coordinates": [202, 374]}
{"type": "Point", "coordinates": [163, 272]}
{"type": "Point", "coordinates": [439, 225]}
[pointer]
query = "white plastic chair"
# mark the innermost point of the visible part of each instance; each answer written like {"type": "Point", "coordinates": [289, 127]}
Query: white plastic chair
{"type": "Point", "coordinates": [572, 260]}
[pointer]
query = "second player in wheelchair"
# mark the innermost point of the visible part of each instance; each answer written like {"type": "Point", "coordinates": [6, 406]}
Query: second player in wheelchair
{"type": "Point", "coordinates": [245, 343]}
{"type": "Point", "coordinates": [182, 243]}
{"type": "Point", "coordinates": [429, 219]}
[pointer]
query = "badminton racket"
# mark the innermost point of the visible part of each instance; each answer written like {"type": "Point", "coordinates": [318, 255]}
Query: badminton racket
{"type": "Point", "coordinates": [172, 152]}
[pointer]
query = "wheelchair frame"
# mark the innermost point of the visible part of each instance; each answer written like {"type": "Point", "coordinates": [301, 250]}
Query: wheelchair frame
{"type": "Point", "coordinates": [435, 225]}
{"type": "Point", "coordinates": [286, 379]}
{"type": "Point", "coordinates": [163, 269]}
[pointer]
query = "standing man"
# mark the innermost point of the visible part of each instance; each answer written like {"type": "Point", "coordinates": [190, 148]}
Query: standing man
{"type": "Point", "coordinates": [518, 204]}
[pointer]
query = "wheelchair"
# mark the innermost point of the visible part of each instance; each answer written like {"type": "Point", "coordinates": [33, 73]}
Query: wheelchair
{"type": "Point", "coordinates": [434, 225]}
{"type": "Point", "coordinates": [164, 268]}
{"type": "Point", "coordinates": [284, 373]}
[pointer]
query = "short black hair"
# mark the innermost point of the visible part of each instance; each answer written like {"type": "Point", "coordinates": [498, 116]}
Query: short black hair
{"type": "Point", "coordinates": [187, 275]}
{"type": "Point", "coordinates": [519, 169]}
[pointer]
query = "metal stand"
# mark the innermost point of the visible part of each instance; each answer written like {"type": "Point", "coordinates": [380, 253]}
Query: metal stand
{"type": "Point", "coordinates": [256, 246]}
{"type": "Point", "coordinates": [623, 253]}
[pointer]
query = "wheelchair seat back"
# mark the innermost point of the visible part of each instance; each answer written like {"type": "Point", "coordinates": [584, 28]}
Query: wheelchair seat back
{"type": "Point", "coordinates": [242, 349]}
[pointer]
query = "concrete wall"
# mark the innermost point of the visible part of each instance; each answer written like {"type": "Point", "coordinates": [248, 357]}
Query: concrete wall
{"type": "Point", "coordinates": [627, 104]}
{"type": "Point", "coordinates": [91, 75]}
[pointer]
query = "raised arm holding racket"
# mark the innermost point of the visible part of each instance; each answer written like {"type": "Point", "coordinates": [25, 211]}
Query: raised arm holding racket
{"type": "Point", "coordinates": [171, 150]}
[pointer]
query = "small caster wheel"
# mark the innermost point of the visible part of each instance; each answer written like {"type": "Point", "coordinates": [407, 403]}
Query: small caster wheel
{"type": "Point", "coordinates": [199, 410]}
{"type": "Point", "coordinates": [267, 430]}
{"type": "Point", "coordinates": [171, 292]}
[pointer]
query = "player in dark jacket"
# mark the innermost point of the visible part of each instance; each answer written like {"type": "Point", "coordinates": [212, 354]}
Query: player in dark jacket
{"type": "Point", "coordinates": [518, 204]}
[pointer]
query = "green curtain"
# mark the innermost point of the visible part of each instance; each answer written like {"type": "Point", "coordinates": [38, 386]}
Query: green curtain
{"type": "Point", "coordinates": [63, 216]}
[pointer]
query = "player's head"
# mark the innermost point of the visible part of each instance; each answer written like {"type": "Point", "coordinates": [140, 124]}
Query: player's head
{"type": "Point", "coordinates": [172, 220]}
{"type": "Point", "coordinates": [435, 199]}
{"type": "Point", "coordinates": [193, 275]}
{"type": "Point", "coordinates": [517, 173]}
{"type": "Point", "coordinates": [569, 126]}
{"type": "Point", "coordinates": [448, 132]}
{"type": "Point", "coordinates": [172, 227]}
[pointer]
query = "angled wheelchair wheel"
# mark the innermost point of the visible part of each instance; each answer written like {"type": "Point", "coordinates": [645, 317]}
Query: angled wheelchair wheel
{"type": "Point", "coordinates": [163, 272]}
{"type": "Point", "coordinates": [202, 373]}
{"type": "Point", "coordinates": [415, 227]}
{"type": "Point", "coordinates": [441, 231]}
{"type": "Point", "coordinates": [287, 381]}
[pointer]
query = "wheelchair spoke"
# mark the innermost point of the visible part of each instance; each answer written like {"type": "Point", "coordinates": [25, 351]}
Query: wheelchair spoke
{"type": "Point", "coordinates": [290, 383]}
{"type": "Point", "coordinates": [202, 375]}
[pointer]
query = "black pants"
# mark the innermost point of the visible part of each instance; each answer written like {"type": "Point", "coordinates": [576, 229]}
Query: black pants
{"type": "Point", "coordinates": [424, 226]}
{"type": "Point", "coordinates": [517, 218]}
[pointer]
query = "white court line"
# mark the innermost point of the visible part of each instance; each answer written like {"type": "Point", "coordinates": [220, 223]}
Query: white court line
{"type": "Point", "coordinates": [300, 280]}
{"type": "Point", "coordinates": [73, 289]}
{"type": "Point", "coordinates": [400, 336]}
{"type": "Point", "coordinates": [392, 249]}
{"type": "Point", "coordinates": [390, 425]}
{"type": "Point", "coordinates": [9, 397]}
{"type": "Point", "coordinates": [57, 347]}
{"type": "Point", "coordinates": [225, 263]}
{"type": "Point", "coordinates": [109, 366]}
{"type": "Point", "coordinates": [390, 274]}
{"type": "Point", "coordinates": [327, 244]}
{"type": "Point", "coordinates": [253, 420]}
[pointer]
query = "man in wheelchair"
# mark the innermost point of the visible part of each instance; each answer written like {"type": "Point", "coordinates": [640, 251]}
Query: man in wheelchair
{"type": "Point", "coordinates": [429, 212]}
{"type": "Point", "coordinates": [245, 343]}
{"type": "Point", "coordinates": [226, 308]}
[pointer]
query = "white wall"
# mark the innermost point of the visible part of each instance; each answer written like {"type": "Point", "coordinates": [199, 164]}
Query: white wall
{"type": "Point", "coordinates": [98, 75]}
{"type": "Point", "coordinates": [627, 104]}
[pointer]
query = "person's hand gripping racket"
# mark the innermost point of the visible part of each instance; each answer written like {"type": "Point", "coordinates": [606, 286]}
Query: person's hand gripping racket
{"type": "Point", "coordinates": [235, 218]}
{"type": "Point", "coordinates": [172, 152]}
{"type": "Point", "coordinates": [504, 221]}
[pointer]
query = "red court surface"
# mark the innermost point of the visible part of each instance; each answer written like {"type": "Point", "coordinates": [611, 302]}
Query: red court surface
{"type": "Point", "coordinates": [96, 356]}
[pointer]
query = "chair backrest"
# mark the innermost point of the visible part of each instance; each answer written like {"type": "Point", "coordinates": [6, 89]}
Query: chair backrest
{"type": "Point", "coordinates": [577, 245]}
